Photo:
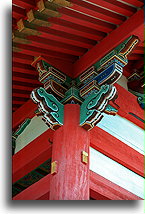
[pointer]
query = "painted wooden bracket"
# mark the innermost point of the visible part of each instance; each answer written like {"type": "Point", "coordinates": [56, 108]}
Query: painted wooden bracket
{"type": "Point", "coordinates": [95, 104]}
{"type": "Point", "coordinates": [93, 89]}
{"type": "Point", "coordinates": [52, 109]}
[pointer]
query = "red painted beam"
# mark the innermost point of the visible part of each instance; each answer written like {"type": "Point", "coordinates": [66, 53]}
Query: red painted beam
{"type": "Point", "coordinates": [117, 150]}
{"type": "Point", "coordinates": [37, 51]}
{"type": "Point", "coordinates": [25, 160]}
{"type": "Point", "coordinates": [85, 20]}
{"type": "Point", "coordinates": [56, 46]}
{"type": "Point", "coordinates": [25, 111]}
{"type": "Point", "coordinates": [76, 29]}
{"type": "Point", "coordinates": [22, 58]}
{"type": "Point", "coordinates": [27, 4]}
{"type": "Point", "coordinates": [136, 3]}
{"type": "Point", "coordinates": [18, 12]}
{"type": "Point", "coordinates": [60, 64]}
{"type": "Point", "coordinates": [66, 36]}
{"type": "Point", "coordinates": [134, 25]}
{"type": "Point", "coordinates": [115, 6]}
{"type": "Point", "coordinates": [97, 12]}
{"type": "Point", "coordinates": [71, 182]}
{"type": "Point", "coordinates": [37, 191]}
{"type": "Point", "coordinates": [101, 188]}
{"type": "Point", "coordinates": [25, 80]}
{"type": "Point", "coordinates": [21, 89]}
{"type": "Point", "coordinates": [128, 103]}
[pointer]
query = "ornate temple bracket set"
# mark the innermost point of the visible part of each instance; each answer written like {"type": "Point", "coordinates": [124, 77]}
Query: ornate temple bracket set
{"type": "Point", "coordinates": [92, 90]}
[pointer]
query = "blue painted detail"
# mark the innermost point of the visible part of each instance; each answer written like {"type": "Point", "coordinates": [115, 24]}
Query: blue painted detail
{"type": "Point", "coordinates": [105, 75]}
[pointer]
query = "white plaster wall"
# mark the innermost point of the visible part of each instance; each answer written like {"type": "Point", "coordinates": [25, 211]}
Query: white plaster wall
{"type": "Point", "coordinates": [116, 173]}
{"type": "Point", "coordinates": [35, 128]}
{"type": "Point", "coordinates": [124, 130]}
{"type": "Point", "coordinates": [123, 82]}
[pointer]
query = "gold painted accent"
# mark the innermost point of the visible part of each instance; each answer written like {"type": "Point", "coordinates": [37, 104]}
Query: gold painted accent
{"type": "Point", "coordinates": [51, 13]}
{"type": "Point", "coordinates": [40, 5]}
{"type": "Point", "coordinates": [30, 15]}
{"type": "Point", "coordinates": [27, 28]}
{"type": "Point", "coordinates": [127, 52]}
{"type": "Point", "coordinates": [84, 157]}
{"type": "Point", "coordinates": [54, 167]}
{"type": "Point", "coordinates": [35, 59]}
{"type": "Point", "coordinates": [20, 25]}
{"type": "Point", "coordinates": [63, 3]}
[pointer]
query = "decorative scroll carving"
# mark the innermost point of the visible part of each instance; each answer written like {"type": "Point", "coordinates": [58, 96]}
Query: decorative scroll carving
{"type": "Point", "coordinates": [95, 104]}
{"type": "Point", "coordinates": [53, 110]}
{"type": "Point", "coordinates": [141, 101]}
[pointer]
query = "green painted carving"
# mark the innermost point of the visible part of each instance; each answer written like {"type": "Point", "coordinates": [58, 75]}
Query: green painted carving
{"type": "Point", "coordinates": [110, 110]}
{"type": "Point", "coordinates": [94, 105]}
{"type": "Point", "coordinates": [20, 129]}
{"type": "Point", "coordinates": [72, 96]}
{"type": "Point", "coordinates": [52, 109]}
{"type": "Point", "coordinates": [141, 101]}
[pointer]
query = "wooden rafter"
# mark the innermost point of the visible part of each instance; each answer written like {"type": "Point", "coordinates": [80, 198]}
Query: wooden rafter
{"type": "Point", "coordinates": [133, 25]}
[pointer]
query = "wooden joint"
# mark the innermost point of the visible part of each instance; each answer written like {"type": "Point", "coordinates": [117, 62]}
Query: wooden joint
{"type": "Point", "coordinates": [84, 157]}
{"type": "Point", "coordinates": [20, 25]}
{"type": "Point", "coordinates": [30, 16]}
{"type": "Point", "coordinates": [40, 5]}
{"type": "Point", "coordinates": [54, 167]}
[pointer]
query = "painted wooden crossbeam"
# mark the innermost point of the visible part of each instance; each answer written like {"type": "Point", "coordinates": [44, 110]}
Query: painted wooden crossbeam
{"type": "Point", "coordinates": [103, 189]}
{"type": "Point", "coordinates": [117, 150]}
{"type": "Point", "coordinates": [25, 160]}
{"type": "Point", "coordinates": [100, 189]}
{"type": "Point", "coordinates": [116, 173]}
{"type": "Point", "coordinates": [37, 191]}
{"type": "Point", "coordinates": [134, 25]}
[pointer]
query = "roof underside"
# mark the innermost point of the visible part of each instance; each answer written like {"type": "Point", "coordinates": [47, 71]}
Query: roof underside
{"type": "Point", "coordinates": [64, 31]}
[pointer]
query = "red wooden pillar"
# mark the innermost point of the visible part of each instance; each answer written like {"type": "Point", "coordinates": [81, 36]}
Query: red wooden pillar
{"type": "Point", "coordinates": [71, 182]}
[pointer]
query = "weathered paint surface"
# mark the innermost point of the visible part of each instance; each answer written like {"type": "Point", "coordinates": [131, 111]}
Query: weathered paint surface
{"type": "Point", "coordinates": [72, 179]}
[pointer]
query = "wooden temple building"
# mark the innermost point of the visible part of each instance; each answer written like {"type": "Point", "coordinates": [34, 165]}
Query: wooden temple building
{"type": "Point", "coordinates": [78, 100]}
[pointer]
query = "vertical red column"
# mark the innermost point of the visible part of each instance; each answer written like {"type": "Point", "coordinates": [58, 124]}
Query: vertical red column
{"type": "Point", "coordinates": [71, 182]}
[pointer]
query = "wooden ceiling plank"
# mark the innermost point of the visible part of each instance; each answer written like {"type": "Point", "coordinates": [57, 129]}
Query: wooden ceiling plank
{"type": "Point", "coordinates": [25, 80]}
{"type": "Point", "coordinates": [128, 28]}
{"type": "Point", "coordinates": [66, 36]}
{"type": "Point", "coordinates": [76, 29]}
{"type": "Point", "coordinates": [22, 60]}
{"type": "Point", "coordinates": [98, 12]}
{"type": "Point", "coordinates": [136, 3]}
{"type": "Point", "coordinates": [115, 6]}
{"type": "Point", "coordinates": [17, 95]}
{"type": "Point", "coordinates": [79, 18]}
{"type": "Point", "coordinates": [18, 12]}
{"type": "Point", "coordinates": [123, 7]}
{"type": "Point", "coordinates": [27, 4]}
{"type": "Point", "coordinates": [30, 29]}
{"type": "Point", "coordinates": [51, 45]}
{"type": "Point", "coordinates": [37, 51]}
